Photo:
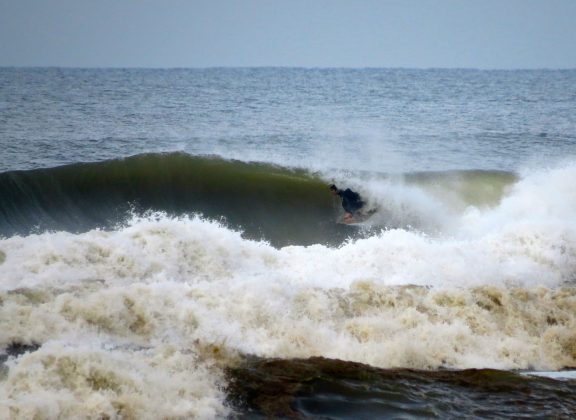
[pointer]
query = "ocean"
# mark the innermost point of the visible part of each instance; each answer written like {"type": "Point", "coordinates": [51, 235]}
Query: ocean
{"type": "Point", "coordinates": [169, 246]}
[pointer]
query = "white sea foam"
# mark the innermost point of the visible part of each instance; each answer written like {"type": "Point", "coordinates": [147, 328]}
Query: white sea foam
{"type": "Point", "coordinates": [140, 320]}
{"type": "Point", "coordinates": [81, 381]}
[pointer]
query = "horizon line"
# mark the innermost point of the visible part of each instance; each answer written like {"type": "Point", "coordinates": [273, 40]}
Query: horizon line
{"type": "Point", "coordinates": [224, 67]}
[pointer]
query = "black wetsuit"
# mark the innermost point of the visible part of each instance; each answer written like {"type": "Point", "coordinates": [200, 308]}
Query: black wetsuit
{"type": "Point", "coordinates": [350, 200]}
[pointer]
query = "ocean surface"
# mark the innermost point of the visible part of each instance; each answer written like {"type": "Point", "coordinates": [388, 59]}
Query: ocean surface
{"type": "Point", "coordinates": [169, 247]}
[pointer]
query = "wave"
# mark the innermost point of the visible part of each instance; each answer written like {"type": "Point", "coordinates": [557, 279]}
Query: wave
{"type": "Point", "coordinates": [325, 388]}
{"type": "Point", "coordinates": [146, 318]}
{"type": "Point", "coordinates": [282, 205]}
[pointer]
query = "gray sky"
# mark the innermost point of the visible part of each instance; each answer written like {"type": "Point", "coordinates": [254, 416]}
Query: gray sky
{"type": "Point", "coordinates": [308, 33]}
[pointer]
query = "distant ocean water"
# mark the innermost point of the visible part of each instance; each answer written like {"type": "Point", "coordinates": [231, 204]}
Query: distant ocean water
{"type": "Point", "coordinates": [169, 246]}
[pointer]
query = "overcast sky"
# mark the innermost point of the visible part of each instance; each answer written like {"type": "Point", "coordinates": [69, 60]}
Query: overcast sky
{"type": "Point", "coordinates": [302, 33]}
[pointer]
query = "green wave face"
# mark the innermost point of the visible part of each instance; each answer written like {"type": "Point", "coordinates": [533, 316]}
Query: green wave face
{"type": "Point", "coordinates": [266, 202]}
{"type": "Point", "coordinates": [280, 205]}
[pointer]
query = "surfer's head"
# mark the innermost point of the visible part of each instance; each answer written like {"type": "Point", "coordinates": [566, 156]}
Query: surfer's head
{"type": "Point", "coordinates": [333, 188]}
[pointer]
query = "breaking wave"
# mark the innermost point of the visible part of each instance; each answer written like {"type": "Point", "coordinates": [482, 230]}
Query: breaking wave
{"type": "Point", "coordinates": [282, 205]}
{"type": "Point", "coordinates": [143, 319]}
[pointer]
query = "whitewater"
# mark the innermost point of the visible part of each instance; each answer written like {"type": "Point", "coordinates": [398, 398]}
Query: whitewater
{"type": "Point", "coordinates": [142, 318]}
{"type": "Point", "coordinates": [206, 276]}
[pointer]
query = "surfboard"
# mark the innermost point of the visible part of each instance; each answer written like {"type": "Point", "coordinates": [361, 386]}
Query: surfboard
{"type": "Point", "coordinates": [358, 219]}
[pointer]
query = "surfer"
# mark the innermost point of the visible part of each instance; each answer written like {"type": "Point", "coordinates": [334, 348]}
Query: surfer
{"type": "Point", "coordinates": [351, 202]}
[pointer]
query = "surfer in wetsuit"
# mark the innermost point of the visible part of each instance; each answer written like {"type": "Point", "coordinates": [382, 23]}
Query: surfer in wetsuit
{"type": "Point", "coordinates": [351, 202]}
